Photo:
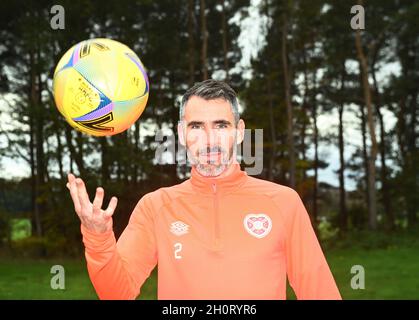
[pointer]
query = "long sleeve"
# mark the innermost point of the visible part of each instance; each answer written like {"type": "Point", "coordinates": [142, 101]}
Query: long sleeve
{"type": "Point", "coordinates": [118, 269]}
{"type": "Point", "coordinates": [307, 269]}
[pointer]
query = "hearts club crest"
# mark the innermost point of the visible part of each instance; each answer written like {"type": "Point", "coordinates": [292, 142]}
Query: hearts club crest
{"type": "Point", "coordinates": [258, 225]}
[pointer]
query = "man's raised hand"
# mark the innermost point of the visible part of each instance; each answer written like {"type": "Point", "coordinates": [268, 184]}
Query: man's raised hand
{"type": "Point", "coordinates": [91, 215]}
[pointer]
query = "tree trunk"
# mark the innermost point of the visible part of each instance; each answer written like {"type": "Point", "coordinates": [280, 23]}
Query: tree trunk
{"type": "Point", "coordinates": [136, 152]}
{"type": "Point", "coordinates": [75, 155]}
{"type": "Point", "coordinates": [126, 142]}
{"type": "Point", "coordinates": [40, 153]}
{"type": "Point", "coordinates": [365, 152]}
{"type": "Point", "coordinates": [34, 142]}
{"type": "Point", "coordinates": [411, 196]}
{"type": "Point", "coordinates": [272, 159]}
{"type": "Point", "coordinates": [372, 209]}
{"type": "Point", "coordinates": [342, 193]}
{"type": "Point", "coordinates": [390, 221]}
{"type": "Point", "coordinates": [225, 39]}
{"type": "Point", "coordinates": [191, 41]}
{"type": "Point", "coordinates": [104, 148]}
{"type": "Point", "coordinates": [304, 116]}
{"type": "Point", "coordinates": [316, 147]}
{"type": "Point", "coordinates": [204, 35]}
{"type": "Point", "coordinates": [290, 127]}
{"type": "Point", "coordinates": [60, 155]}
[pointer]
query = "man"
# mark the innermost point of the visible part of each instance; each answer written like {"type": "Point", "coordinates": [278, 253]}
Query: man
{"type": "Point", "coordinates": [219, 235]}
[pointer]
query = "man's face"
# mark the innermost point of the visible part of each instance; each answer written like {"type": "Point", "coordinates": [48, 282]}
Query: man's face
{"type": "Point", "coordinates": [210, 134]}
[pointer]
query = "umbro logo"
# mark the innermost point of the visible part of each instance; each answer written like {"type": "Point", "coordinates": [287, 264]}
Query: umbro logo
{"type": "Point", "coordinates": [179, 228]}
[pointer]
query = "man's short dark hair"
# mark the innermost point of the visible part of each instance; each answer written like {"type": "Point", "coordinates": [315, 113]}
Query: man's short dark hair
{"type": "Point", "coordinates": [212, 89]}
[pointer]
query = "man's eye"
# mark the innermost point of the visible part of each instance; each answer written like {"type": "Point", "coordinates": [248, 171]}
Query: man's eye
{"type": "Point", "coordinates": [221, 126]}
{"type": "Point", "coordinates": [195, 126]}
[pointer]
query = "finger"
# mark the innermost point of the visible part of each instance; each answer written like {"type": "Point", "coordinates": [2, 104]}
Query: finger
{"type": "Point", "coordinates": [98, 200]}
{"type": "Point", "coordinates": [111, 207]}
{"type": "Point", "coordinates": [75, 197]}
{"type": "Point", "coordinates": [71, 178]}
{"type": "Point", "coordinates": [83, 196]}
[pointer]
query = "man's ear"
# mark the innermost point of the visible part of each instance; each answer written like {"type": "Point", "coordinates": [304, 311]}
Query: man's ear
{"type": "Point", "coordinates": [240, 131]}
{"type": "Point", "coordinates": [181, 132]}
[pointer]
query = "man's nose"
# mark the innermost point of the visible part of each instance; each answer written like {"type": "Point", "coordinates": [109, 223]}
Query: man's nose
{"type": "Point", "coordinates": [211, 135]}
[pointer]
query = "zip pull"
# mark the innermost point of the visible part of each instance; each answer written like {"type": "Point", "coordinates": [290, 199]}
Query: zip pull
{"type": "Point", "coordinates": [214, 187]}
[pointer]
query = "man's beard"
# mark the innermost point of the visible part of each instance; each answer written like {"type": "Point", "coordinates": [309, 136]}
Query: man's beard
{"type": "Point", "coordinates": [208, 167]}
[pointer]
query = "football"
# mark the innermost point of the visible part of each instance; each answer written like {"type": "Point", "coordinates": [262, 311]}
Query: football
{"type": "Point", "coordinates": [100, 86]}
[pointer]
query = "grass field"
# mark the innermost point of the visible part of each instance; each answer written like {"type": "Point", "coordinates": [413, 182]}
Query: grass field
{"type": "Point", "coordinates": [390, 273]}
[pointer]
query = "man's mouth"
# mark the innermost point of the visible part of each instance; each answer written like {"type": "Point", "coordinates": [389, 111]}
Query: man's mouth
{"type": "Point", "coordinates": [213, 155]}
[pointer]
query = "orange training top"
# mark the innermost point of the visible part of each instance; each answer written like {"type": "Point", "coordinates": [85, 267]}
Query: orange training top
{"type": "Point", "coordinates": [235, 237]}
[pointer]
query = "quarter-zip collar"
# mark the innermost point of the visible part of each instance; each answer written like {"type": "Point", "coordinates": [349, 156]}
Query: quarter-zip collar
{"type": "Point", "coordinates": [221, 185]}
